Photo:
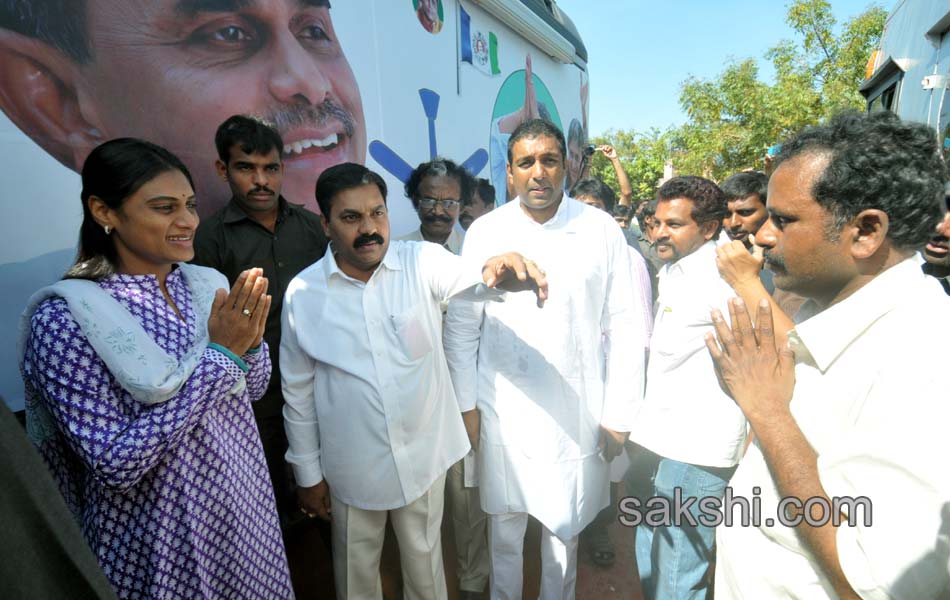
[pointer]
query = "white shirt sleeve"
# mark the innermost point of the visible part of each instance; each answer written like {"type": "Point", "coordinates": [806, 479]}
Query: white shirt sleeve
{"type": "Point", "coordinates": [453, 277]}
{"type": "Point", "coordinates": [895, 457]}
{"type": "Point", "coordinates": [300, 409]}
{"type": "Point", "coordinates": [624, 340]}
{"type": "Point", "coordinates": [460, 338]}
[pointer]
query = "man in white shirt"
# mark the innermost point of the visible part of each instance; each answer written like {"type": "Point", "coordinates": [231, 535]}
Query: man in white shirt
{"type": "Point", "coordinates": [692, 430]}
{"type": "Point", "coordinates": [438, 189]}
{"type": "Point", "coordinates": [548, 391]}
{"type": "Point", "coordinates": [852, 415]}
{"type": "Point", "coordinates": [371, 417]}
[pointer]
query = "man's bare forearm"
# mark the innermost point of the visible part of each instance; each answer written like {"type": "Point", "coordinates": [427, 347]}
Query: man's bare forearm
{"type": "Point", "coordinates": [626, 189]}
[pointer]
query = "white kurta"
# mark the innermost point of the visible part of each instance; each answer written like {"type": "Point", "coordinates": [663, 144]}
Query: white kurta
{"type": "Point", "coordinates": [871, 398]}
{"type": "Point", "coordinates": [546, 379]}
{"type": "Point", "coordinates": [368, 401]}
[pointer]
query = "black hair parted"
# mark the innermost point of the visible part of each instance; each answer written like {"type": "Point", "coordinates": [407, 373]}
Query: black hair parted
{"type": "Point", "coordinates": [595, 188]}
{"type": "Point", "coordinates": [60, 23]}
{"type": "Point", "coordinates": [876, 161]}
{"type": "Point", "coordinates": [535, 128]}
{"type": "Point", "coordinates": [745, 184]}
{"type": "Point", "coordinates": [709, 203]}
{"type": "Point", "coordinates": [439, 167]}
{"type": "Point", "coordinates": [342, 177]}
{"type": "Point", "coordinates": [113, 172]}
{"type": "Point", "coordinates": [253, 135]}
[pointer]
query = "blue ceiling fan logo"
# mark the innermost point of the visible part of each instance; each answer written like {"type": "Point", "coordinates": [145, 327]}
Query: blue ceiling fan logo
{"type": "Point", "coordinates": [400, 169]}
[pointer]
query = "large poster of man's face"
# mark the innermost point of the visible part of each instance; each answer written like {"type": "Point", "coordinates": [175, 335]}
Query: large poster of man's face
{"type": "Point", "coordinates": [170, 71]}
{"type": "Point", "coordinates": [332, 77]}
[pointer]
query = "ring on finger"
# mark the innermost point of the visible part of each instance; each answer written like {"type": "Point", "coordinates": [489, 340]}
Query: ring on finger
{"type": "Point", "coordinates": [247, 313]}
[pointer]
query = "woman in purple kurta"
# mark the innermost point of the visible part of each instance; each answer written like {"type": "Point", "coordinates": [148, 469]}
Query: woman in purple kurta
{"type": "Point", "coordinates": [167, 479]}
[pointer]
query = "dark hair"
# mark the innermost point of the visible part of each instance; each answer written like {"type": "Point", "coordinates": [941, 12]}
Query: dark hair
{"type": "Point", "coordinates": [876, 161]}
{"type": "Point", "coordinates": [643, 207]}
{"type": "Point", "coordinates": [649, 207]}
{"type": "Point", "coordinates": [342, 177]}
{"type": "Point", "coordinates": [113, 172]}
{"type": "Point", "coordinates": [575, 133]}
{"type": "Point", "coordinates": [486, 191]}
{"type": "Point", "coordinates": [709, 203]}
{"type": "Point", "coordinates": [439, 167]}
{"type": "Point", "coordinates": [255, 136]}
{"type": "Point", "coordinates": [595, 188]}
{"type": "Point", "coordinates": [745, 184]}
{"type": "Point", "coordinates": [534, 128]}
{"type": "Point", "coordinates": [60, 23]}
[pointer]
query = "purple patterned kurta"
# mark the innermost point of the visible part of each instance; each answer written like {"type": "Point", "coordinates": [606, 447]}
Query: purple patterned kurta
{"type": "Point", "coordinates": [174, 498]}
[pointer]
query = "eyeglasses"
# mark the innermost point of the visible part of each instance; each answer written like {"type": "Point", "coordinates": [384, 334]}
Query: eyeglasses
{"type": "Point", "coordinates": [446, 204]}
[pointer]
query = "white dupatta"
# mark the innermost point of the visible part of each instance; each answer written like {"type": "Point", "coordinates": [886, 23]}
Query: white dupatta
{"type": "Point", "coordinates": [139, 365]}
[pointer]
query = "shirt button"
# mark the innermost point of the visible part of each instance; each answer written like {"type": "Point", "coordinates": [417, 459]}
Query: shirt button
{"type": "Point", "coordinates": [280, 264]}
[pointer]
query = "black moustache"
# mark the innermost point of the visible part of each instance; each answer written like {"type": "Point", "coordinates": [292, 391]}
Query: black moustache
{"type": "Point", "coordinates": [363, 240]}
{"type": "Point", "coordinates": [262, 189]}
{"type": "Point", "coordinates": [434, 218]}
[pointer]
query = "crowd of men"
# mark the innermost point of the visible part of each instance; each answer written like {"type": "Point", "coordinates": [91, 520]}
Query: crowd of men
{"type": "Point", "coordinates": [414, 387]}
{"type": "Point", "coordinates": [769, 338]}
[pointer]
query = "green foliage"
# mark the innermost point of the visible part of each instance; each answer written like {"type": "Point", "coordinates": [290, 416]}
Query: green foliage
{"type": "Point", "coordinates": [735, 116]}
{"type": "Point", "coordinates": [642, 155]}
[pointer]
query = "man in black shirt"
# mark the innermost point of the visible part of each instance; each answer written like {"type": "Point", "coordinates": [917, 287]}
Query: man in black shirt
{"type": "Point", "coordinates": [259, 228]}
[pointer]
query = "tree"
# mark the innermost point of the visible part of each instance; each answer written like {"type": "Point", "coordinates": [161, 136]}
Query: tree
{"type": "Point", "coordinates": [734, 117]}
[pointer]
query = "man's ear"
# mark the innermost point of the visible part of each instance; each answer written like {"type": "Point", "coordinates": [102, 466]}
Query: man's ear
{"type": "Point", "coordinates": [708, 229]}
{"type": "Point", "coordinates": [222, 169]}
{"type": "Point", "coordinates": [326, 225]}
{"type": "Point", "coordinates": [868, 232]}
{"type": "Point", "coordinates": [38, 92]}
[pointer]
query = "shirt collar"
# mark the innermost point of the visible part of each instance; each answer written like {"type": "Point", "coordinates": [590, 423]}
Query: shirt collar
{"type": "Point", "coordinates": [561, 217]}
{"type": "Point", "coordinates": [234, 213]}
{"type": "Point", "coordinates": [698, 261]}
{"type": "Point", "coordinates": [453, 243]}
{"type": "Point", "coordinates": [828, 333]}
{"type": "Point", "coordinates": [390, 261]}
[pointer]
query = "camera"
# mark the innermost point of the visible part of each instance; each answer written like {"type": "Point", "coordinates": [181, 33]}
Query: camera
{"type": "Point", "coordinates": [589, 150]}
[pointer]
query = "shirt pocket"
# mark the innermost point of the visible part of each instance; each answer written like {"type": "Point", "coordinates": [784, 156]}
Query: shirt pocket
{"type": "Point", "coordinates": [679, 331]}
{"type": "Point", "coordinates": [411, 331]}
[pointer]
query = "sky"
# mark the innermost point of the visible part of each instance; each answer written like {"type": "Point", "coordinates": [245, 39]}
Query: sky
{"type": "Point", "coordinates": [640, 51]}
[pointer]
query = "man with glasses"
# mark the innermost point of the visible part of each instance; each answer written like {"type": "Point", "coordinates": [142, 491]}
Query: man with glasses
{"type": "Point", "coordinates": [437, 190]}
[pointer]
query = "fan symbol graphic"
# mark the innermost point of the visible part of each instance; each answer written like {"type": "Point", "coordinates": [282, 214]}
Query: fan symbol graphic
{"type": "Point", "coordinates": [399, 168]}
